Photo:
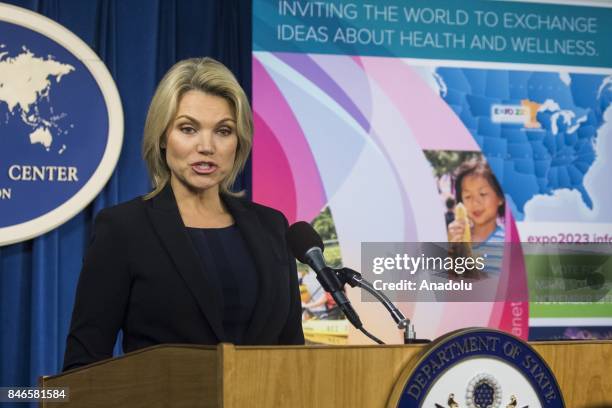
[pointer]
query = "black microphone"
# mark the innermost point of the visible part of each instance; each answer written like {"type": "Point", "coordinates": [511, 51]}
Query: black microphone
{"type": "Point", "coordinates": [307, 247]}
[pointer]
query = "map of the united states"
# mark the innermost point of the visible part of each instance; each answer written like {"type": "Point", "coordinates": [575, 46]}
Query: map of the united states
{"type": "Point", "coordinates": [25, 80]}
{"type": "Point", "coordinates": [556, 149]}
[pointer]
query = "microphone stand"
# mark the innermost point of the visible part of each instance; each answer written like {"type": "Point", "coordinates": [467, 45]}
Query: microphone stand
{"type": "Point", "coordinates": [353, 278]}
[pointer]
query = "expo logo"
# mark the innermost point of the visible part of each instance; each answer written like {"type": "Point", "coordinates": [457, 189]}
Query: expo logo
{"type": "Point", "coordinates": [517, 114]}
{"type": "Point", "coordinates": [510, 111]}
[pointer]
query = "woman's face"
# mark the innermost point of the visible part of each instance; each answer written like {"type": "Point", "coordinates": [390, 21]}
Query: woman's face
{"type": "Point", "coordinates": [480, 200]}
{"type": "Point", "coordinates": [201, 142]}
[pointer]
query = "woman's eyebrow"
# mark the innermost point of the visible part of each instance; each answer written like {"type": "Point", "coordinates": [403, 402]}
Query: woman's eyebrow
{"type": "Point", "coordinates": [190, 118]}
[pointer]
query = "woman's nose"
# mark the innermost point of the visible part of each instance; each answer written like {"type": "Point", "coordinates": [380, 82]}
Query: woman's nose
{"type": "Point", "coordinates": [205, 143]}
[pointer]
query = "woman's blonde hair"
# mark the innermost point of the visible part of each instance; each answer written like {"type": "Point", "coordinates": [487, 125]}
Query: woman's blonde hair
{"type": "Point", "coordinates": [200, 74]}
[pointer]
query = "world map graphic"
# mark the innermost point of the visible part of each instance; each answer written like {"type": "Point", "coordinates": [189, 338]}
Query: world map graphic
{"type": "Point", "coordinates": [54, 124]}
{"type": "Point", "coordinates": [26, 82]}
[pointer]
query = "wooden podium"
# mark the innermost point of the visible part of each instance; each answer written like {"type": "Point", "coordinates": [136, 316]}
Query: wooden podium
{"type": "Point", "coordinates": [310, 376]}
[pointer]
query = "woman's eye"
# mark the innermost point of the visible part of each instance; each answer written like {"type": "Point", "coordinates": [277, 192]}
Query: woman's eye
{"type": "Point", "coordinates": [225, 131]}
{"type": "Point", "coordinates": [187, 129]}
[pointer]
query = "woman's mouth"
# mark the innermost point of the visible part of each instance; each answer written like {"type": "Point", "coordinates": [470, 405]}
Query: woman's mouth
{"type": "Point", "coordinates": [203, 167]}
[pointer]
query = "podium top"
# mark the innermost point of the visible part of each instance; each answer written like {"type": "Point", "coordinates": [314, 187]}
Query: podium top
{"type": "Point", "coordinates": [231, 376]}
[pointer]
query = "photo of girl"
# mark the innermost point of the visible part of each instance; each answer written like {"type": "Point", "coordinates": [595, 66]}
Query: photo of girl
{"type": "Point", "coordinates": [480, 193]}
{"type": "Point", "coordinates": [474, 208]}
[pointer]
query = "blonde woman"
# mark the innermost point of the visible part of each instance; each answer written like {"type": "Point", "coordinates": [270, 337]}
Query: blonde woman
{"type": "Point", "coordinates": [190, 262]}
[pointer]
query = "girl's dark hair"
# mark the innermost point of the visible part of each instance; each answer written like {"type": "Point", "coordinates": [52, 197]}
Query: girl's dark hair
{"type": "Point", "coordinates": [479, 167]}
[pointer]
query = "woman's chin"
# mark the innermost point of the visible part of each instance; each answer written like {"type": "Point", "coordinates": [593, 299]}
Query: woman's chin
{"type": "Point", "coordinates": [196, 186]}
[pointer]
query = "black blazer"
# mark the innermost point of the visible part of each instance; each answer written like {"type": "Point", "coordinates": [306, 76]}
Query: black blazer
{"type": "Point", "coordinates": [142, 274]}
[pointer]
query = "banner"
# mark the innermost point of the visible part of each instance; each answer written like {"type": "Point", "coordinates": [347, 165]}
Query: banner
{"type": "Point", "coordinates": [374, 121]}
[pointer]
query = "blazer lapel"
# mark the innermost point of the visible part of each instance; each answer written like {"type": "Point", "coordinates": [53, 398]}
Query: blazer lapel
{"type": "Point", "coordinates": [262, 250]}
{"type": "Point", "coordinates": [168, 223]}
